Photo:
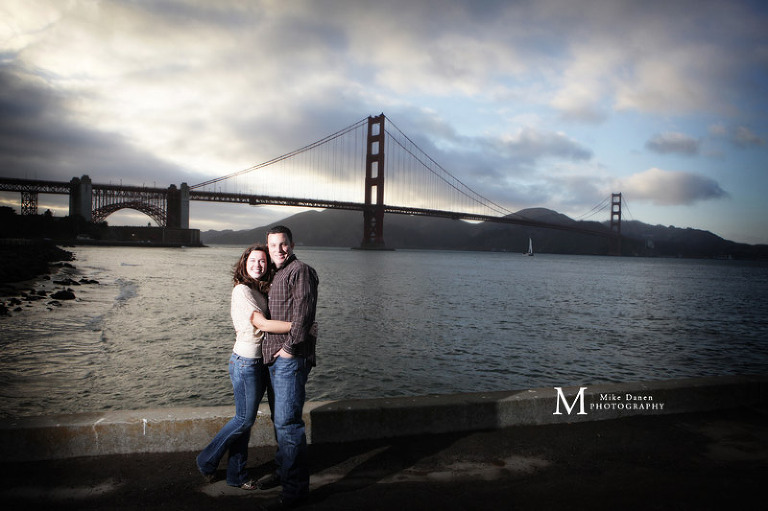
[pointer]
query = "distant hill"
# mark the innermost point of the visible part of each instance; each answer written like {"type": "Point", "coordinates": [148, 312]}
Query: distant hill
{"type": "Point", "coordinates": [337, 228]}
{"type": "Point", "coordinates": [544, 215]}
{"type": "Point", "coordinates": [663, 241]}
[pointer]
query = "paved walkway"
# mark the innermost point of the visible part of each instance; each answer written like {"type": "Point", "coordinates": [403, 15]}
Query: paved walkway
{"type": "Point", "coordinates": [697, 461]}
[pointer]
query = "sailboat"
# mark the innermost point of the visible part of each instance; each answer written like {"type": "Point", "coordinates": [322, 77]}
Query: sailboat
{"type": "Point", "coordinates": [530, 248]}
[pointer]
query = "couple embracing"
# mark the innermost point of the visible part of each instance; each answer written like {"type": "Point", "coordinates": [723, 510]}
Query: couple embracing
{"type": "Point", "coordinates": [274, 299]}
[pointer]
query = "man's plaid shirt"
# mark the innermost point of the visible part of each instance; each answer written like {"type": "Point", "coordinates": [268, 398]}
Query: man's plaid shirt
{"type": "Point", "coordinates": [293, 297]}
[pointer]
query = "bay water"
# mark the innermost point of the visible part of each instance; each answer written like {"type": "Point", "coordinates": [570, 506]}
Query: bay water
{"type": "Point", "coordinates": [155, 331]}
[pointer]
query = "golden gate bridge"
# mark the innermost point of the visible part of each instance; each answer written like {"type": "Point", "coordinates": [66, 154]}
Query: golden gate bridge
{"type": "Point", "coordinates": [369, 166]}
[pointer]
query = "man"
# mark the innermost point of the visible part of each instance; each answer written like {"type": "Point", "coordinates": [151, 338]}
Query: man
{"type": "Point", "coordinates": [293, 298]}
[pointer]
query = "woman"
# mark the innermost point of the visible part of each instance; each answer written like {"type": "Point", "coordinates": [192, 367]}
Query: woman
{"type": "Point", "coordinates": [250, 378]}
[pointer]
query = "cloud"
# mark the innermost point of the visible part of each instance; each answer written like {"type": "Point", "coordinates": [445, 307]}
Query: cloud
{"type": "Point", "coordinates": [586, 82]}
{"type": "Point", "coordinates": [672, 142]}
{"type": "Point", "coordinates": [665, 59]}
{"type": "Point", "coordinates": [39, 139]}
{"type": "Point", "coordinates": [743, 137]}
{"type": "Point", "coordinates": [670, 188]}
{"type": "Point", "coordinates": [520, 148]}
{"type": "Point", "coordinates": [529, 145]}
{"type": "Point", "coordinates": [717, 130]}
{"type": "Point", "coordinates": [740, 136]}
{"type": "Point", "coordinates": [187, 90]}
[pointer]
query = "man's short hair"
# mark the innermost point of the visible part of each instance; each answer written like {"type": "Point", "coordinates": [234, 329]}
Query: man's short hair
{"type": "Point", "coordinates": [280, 229]}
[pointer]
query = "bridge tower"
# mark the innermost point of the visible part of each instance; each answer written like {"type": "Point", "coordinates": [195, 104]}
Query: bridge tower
{"type": "Point", "coordinates": [80, 198]}
{"type": "Point", "coordinates": [615, 224]}
{"type": "Point", "coordinates": [178, 207]}
{"type": "Point", "coordinates": [373, 215]}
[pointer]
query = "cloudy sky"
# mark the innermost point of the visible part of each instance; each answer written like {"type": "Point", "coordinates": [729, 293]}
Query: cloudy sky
{"type": "Point", "coordinates": [539, 103]}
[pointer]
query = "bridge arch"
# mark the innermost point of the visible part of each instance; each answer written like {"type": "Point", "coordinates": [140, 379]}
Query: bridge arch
{"type": "Point", "coordinates": [154, 212]}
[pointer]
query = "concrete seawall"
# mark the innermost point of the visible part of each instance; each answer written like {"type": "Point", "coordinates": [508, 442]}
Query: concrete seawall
{"type": "Point", "coordinates": [190, 429]}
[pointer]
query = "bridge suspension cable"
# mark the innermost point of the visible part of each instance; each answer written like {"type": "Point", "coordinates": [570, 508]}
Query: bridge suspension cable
{"type": "Point", "coordinates": [332, 173]}
{"type": "Point", "coordinates": [286, 156]}
{"type": "Point", "coordinates": [459, 188]}
{"type": "Point", "coordinates": [330, 167]}
{"type": "Point", "coordinates": [602, 206]}
{"type": "Point", "coordinates": [624, 201]}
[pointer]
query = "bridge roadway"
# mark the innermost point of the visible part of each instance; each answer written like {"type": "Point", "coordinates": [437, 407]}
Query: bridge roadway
{"type": "Point", "coordinates": [56, 187]}
{"type": "Point", "coordinates": [705, 449]}
{"type": "Point", "coordinates": [254, 200]}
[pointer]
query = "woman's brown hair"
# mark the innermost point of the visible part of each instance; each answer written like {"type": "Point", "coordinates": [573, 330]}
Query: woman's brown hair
{"type": "Point", "coordinates": [240, 273]}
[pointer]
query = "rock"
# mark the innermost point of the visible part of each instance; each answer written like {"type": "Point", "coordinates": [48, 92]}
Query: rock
{"type": "Point", "coordinates": [66, 282]}
{"type": "Point", "coordinates": [64, 294]}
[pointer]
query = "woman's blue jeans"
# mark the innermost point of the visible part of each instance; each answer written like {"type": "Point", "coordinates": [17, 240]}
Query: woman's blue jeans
{"type": "Point", "coordinates": [250, 380]}
{"type": "Point", "coordinates": [288, 377]}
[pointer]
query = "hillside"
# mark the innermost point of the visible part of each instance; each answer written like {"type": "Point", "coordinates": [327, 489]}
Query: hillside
{"type": "Point", "coordinates": [336, 228]}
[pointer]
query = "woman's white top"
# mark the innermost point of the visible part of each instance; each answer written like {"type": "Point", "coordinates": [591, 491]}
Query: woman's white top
{"type": "Point", "coordinates": [248, 343]}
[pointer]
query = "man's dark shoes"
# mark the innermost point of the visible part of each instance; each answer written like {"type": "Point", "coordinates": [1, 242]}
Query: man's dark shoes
{"type": "Point", "coordinates": [268, 481]}
{"type": "Point", "coordinates": [280, 503]}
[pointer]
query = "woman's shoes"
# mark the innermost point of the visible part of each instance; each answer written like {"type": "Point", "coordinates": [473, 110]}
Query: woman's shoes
{"type": "Point", "coordinates": [249, 485]}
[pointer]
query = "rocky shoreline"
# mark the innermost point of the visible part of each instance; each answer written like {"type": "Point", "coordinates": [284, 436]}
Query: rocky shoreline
{"type": "Point", "coordinates": [22, 259]}
{"type": "Point", "coordinates": [25, 264]}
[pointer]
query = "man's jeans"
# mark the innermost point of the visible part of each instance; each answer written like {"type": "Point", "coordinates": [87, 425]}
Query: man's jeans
{"type": "Point", "coordinates": [249, 382]}
{"type": "Point", "coordinates": [289, 377]}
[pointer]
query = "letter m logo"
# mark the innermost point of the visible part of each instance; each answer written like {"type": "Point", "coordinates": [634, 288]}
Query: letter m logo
{"type": "Point", "coordinates": [568, 408]}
